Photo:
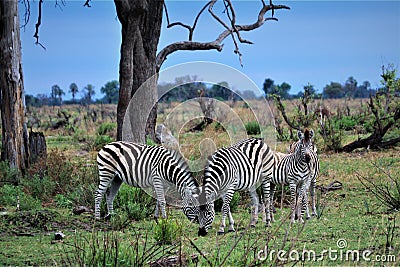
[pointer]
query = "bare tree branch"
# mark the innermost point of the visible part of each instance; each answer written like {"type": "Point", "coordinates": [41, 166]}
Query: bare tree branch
{"type": "Point", "coordinates": [188, 27]}
{"type": "Point", "coordinates": [230, 30]}
{"type": "Point", "coordinates": [87, 3]}
{"type": "Point", "coordinates": [37, 26]}
{"type": "Point", "coordinates": [281, 108]}
{"type": "Point", "coordinates": [27, 13]}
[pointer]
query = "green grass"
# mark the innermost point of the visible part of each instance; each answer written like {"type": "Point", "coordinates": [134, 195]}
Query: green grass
{"type": "Point", "coordinates": [352, 214]}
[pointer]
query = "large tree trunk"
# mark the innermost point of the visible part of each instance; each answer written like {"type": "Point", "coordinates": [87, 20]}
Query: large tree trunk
{"type": "Point", "coordinates": [141, 26]}
{"type": "Point", "coordinates": [15, 147]}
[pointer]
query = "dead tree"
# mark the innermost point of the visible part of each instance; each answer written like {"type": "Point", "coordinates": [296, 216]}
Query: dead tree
{"type": "Point", "coordinates": [139, 63]}
{"type": "Point", "coordinates": [15, 148]}
{"type": "Point", "coordinates": [381, 127]}
{"type": "Point", "coordinates": [141, 26]}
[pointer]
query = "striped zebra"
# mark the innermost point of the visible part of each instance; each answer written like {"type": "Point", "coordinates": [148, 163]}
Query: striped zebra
{"type": "Point", "coordinates": [242, 166]}
{"type": "Point", "coordinates": [145, 167]}
{"type": "Point", "coordinates": [298, 170]}
{"type": "Point", "coordinates": [315, 166]}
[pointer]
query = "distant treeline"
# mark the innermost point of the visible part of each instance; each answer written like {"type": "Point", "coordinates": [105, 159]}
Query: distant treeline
{"type": "Point", "coordinates": [55, 98]}
{"type": "Point", "coordinates": [350, 89]}
{"type": "Point", "coordinates": [186, 87]}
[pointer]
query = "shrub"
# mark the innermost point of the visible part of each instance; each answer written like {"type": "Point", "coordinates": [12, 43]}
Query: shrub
{"type": "Point", "coordinates": [253, 128]}
{"type": "Point", "coordinates": [10, 194]}
{"type": "Point", "coordinates": [167, 231]}
{"type": "Point", "coordinates": [40, 188]}
{"type": "Point", "coordinates": [7, 174]}
{"type": "Point", "coordinates": [135, 202]}
{"type": "Point", "coordinates": [346, 123]}
{"type": "Point", "coordinates": [387, 189]}
{"type": "Point", "coordinates": [106, 128]}
{"type": "Point", "coordinates": [102, 140]}
{"type": "Point", "coordinates": [62, 201]}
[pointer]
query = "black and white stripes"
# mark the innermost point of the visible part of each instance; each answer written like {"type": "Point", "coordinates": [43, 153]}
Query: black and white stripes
{"type": "Point", "coordinates": [242, 166]}
{"type": "Point", "coordinates": [144, 166]}
{"type": "Point", "coordinates": [299, 170]}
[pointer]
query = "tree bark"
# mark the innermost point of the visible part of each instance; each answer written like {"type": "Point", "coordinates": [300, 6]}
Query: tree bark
{"type": "Point", "coordinates": [141, 26]}
{"type": "Point", "coordinates": [15, 147]}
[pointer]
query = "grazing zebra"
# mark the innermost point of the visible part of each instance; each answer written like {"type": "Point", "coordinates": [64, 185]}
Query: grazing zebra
{"type": "Point", "coordinates": [242, 166]}
{"type": "Point", "coordinates": [314, 167]}
{"type": "Point", "coordinates": [145, 167]}
{"type": "Point", "coordinates": [297, 169]}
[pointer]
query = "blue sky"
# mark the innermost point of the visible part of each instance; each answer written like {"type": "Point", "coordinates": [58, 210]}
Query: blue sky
{"type": "Point", "coordinates": [315, 42]}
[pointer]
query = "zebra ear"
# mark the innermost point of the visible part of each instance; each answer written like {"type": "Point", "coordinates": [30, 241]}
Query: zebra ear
{"type": "Point", "coordinates": [311, 134]}
{"type": "Point", "coordinates": [300, 135]}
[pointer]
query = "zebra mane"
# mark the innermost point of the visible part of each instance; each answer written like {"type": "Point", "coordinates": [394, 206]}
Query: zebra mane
{"type": "Point", "coordinates": [307, 135]}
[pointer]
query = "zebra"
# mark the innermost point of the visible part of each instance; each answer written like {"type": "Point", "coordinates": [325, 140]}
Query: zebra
{"type": "Point", "coordinates": [315, 166]}
{"type": "Point", "coordinates": [145, 166]}
{"type": "Point", "coordinates": [242, 166]}
{"type": "Point", "coordinates": [298, 169]}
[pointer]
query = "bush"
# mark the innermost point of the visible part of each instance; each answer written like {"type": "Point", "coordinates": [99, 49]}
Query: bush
{"type": "Point", "coordinates": [7, 174]}
{"type": "Point", "coordinates": [135, 202]}
{"type": "Point", "coordinates": [98, 142]}
{"type": "Point", "coordinates": [253, 128]}
{"type": "Point", "coordinates": [106, 128]}
{"type": "Point", "coordinates": [62, 201]}
{"type": "Point", "coordinates": [346, 123]}
{"type": "Point", "coordinates": [10, 194]}
{"type": "Point", "coordinates": [387, 189]}
{"type": "Point", "coordinates": [40, 188]}
{"type": "Point", "coordinates": [167, 231]}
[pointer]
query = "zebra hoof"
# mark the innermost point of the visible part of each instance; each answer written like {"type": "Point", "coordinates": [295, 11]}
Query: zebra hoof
{"type": "Point", "coordinates": [231, 230]}
{"type": "Point", "coordinates": [107, 217]}
{"type": "Point", "coordinates": [220, 233]}
{"type": "Point", "coordinates": [252, 225]}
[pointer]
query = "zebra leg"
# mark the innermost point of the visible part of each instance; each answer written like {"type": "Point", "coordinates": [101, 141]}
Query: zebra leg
{"type": "Point", "coordinates": [312, 194]}
{"type": "Point", "coordinates": [304, 204]}
{"type": "Point", "coordinates": [231, 222]}
{"type": "Point", "coordinates": [267, 197]}
{"type": "Point", "coordinates": [301, 204]}
{"type": "Point", "coordinates": [272, 190]}
{"type": "Point", "coordinates": [294, 201]}
{"type": "Point", "coordinates": [159, 189]}
{"type": "Point", "coordinates": [254, 209]}
{"type": "Point", "coordinates": [225, 210]}
{"type": "Point", "coordinates": [156, 211]}
{"type": "Point", "coordinates": [98, 195]}
{"type": "Point", "coordinates": [115, 185]}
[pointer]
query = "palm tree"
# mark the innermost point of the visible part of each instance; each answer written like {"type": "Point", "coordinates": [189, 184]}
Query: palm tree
{"type": "Point", "coordinates": [73, 89]}
{"type": "Point", "coordinates": [54, 93]}
{"type": "Point", "coordinates": [89, 93]}
{"type": "Point", "coordinates": [60, 94]}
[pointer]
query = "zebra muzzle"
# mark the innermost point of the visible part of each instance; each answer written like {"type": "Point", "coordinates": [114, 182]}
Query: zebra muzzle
{"type": "Point", "coordinates": [202, 231]}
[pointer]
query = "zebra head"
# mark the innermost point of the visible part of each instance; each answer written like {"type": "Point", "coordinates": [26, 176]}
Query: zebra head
{"type": "Point", "coordinates": [305, 145]}
{"type": "Point", "coordinates": [190, 203]}
{"type": "Point", "coordinates": [206, 214]}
